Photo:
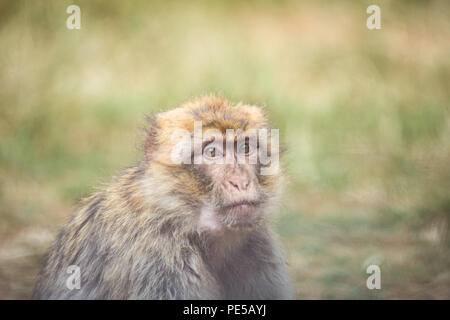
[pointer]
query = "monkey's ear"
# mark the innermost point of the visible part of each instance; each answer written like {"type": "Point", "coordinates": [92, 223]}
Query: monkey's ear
{"type": "Point", "coordinates": [151, 132]}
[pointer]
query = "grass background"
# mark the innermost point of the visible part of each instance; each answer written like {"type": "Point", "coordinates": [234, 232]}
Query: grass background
{"type": "Point", "coordinates": [365, 116]}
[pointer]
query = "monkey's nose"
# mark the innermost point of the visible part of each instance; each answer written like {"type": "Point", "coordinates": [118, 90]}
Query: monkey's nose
{"type": "Point", "coordinates": [240, 184]}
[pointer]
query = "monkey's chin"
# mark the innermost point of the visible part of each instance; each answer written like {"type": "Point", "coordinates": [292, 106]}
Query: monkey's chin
{"type": "Point", "coordinates": [235, 217]}
{"type": "Point", "coordinates": [241, 216]}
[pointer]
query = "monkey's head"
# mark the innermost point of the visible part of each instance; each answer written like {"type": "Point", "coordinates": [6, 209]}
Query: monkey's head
{"type": "Point", "coordinates": [215, 162]}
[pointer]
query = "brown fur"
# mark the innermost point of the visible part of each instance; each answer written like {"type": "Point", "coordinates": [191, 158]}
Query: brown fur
{"type": "Point", "coordinates": [138, 238]}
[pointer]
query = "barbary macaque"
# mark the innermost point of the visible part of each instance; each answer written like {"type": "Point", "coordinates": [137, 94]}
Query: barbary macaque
{"type": "Point", "coordinates": [190, 221]}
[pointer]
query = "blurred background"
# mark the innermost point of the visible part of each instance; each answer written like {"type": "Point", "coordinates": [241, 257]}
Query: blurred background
{"type": "Point", "coordinates": [364, 114]}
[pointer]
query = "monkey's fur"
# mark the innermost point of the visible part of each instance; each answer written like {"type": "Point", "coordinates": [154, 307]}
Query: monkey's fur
{"type": "Point", "coordinates": [139, 237]}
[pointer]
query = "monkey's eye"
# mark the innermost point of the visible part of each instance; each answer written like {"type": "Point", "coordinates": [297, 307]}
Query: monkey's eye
{"type": "Point", "coordinates": [211, 152]}
{"type": "Point", "coordinates": [244, 148]}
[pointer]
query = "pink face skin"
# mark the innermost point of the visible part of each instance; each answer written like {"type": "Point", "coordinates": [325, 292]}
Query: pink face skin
{"type": "Point", "coordinates": [237, 196]}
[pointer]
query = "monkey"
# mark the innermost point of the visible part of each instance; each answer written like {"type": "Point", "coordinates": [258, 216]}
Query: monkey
{"type": "Point", "coordinates": [178, 230]}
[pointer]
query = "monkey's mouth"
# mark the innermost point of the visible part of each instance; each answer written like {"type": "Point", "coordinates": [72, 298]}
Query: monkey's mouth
{"type": "Point", "coordinates": [242, 207]}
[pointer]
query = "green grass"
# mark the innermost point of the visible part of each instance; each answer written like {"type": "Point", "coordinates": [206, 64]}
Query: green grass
{"type": "Point", "coordinates": [365, 117]}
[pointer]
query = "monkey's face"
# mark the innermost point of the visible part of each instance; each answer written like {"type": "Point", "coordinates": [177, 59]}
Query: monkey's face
{"type": "Point", "coordinates": [236, 196]}
{"type": "Point", "coordinates": [221, 161]}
